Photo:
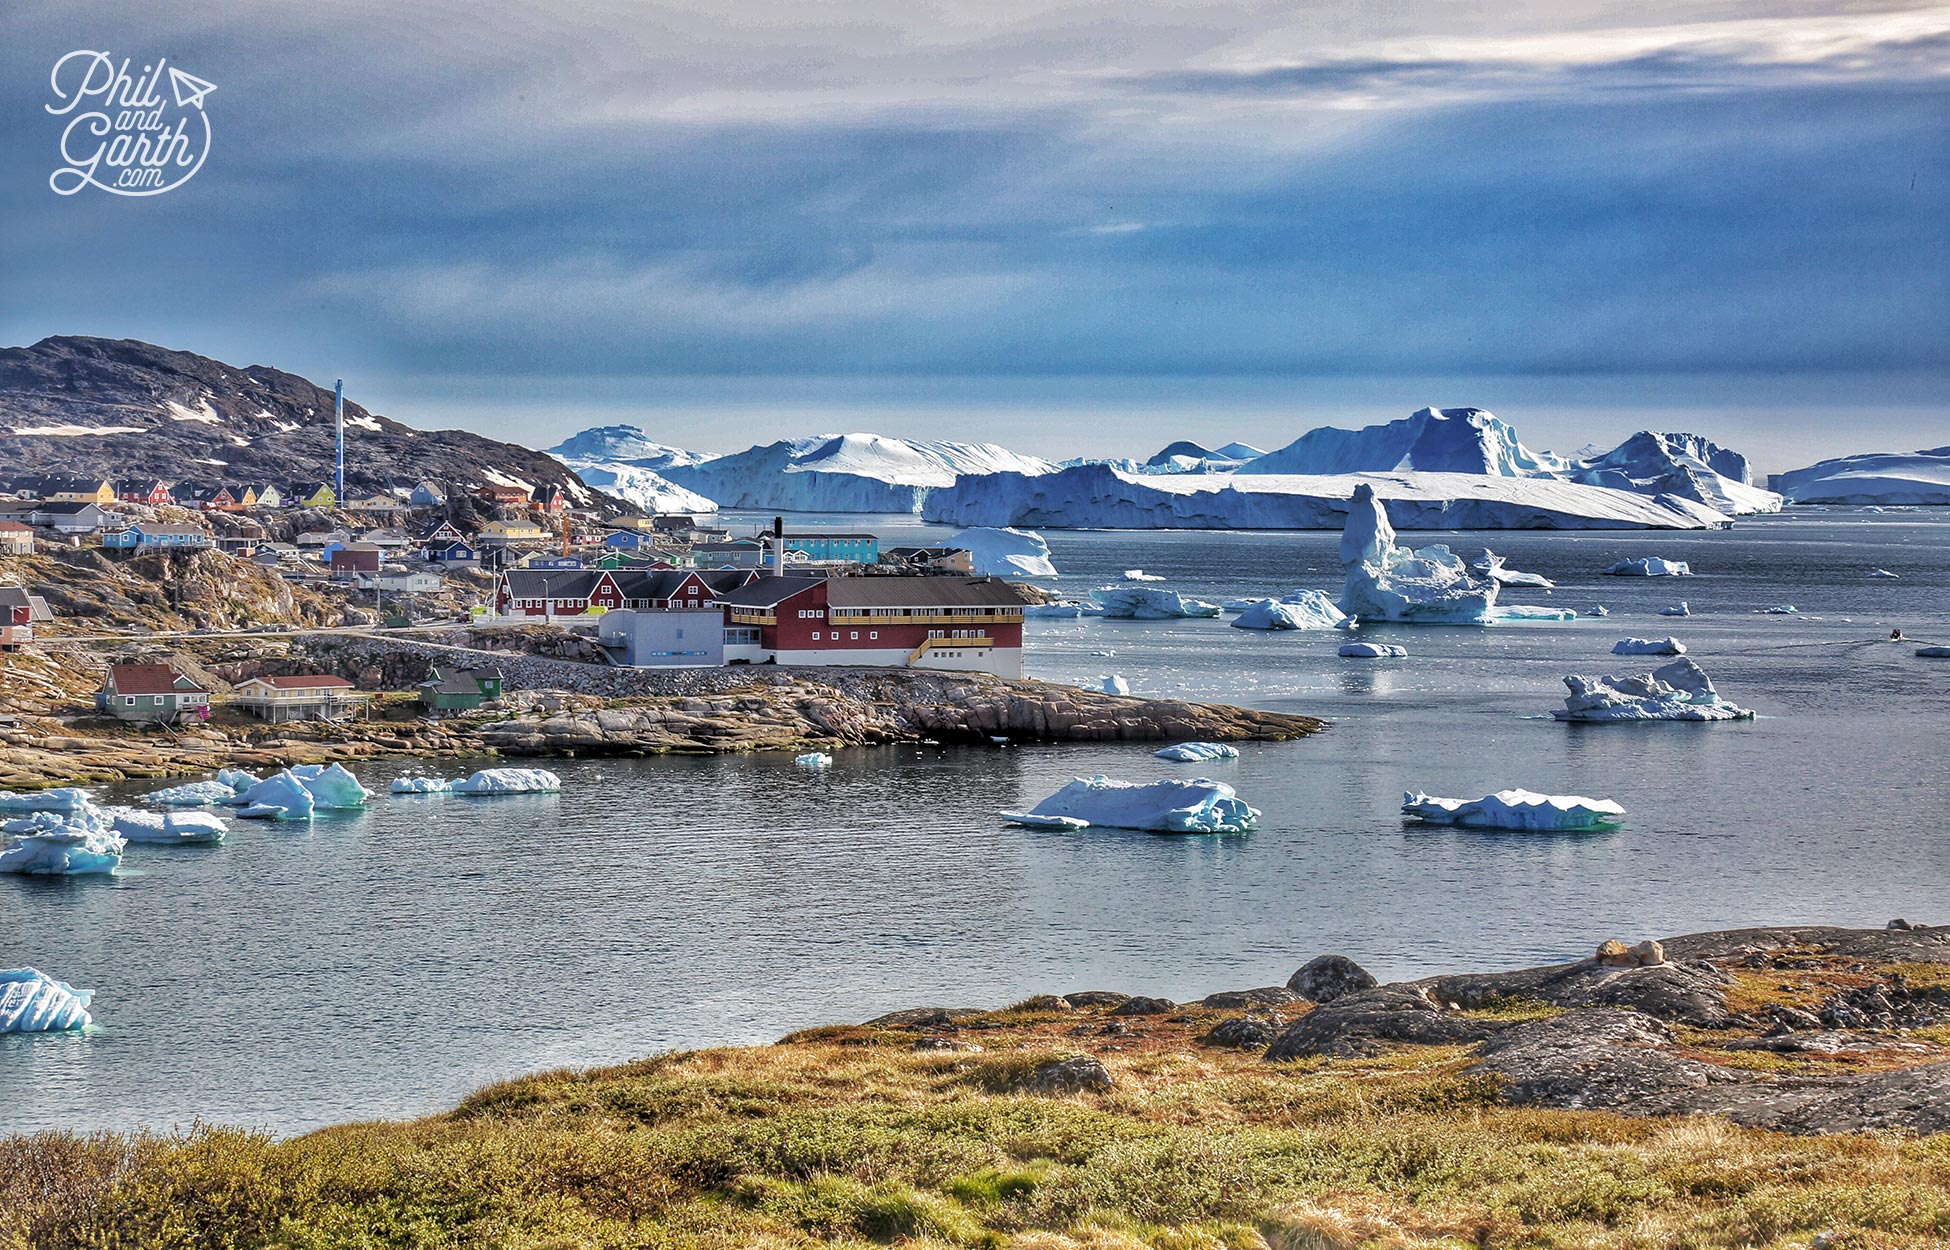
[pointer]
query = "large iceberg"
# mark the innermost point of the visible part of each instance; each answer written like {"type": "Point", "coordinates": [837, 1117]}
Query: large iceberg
{"type": "Point", "coordinates": [1148, 603]}
{"type": "Point", "coordinates": [1390, 583]}
{"type": "Point", "coordinates": [33, 1002]}
{"type": "Point", "coordinates": [1195, 806]}
{"type": "Point", "coordinates": [1679, 691]}
{"type": "Point", "coordinates": [643, 488]}
{"type": "Point", "coordinates": [1919, 477]}
{"type": "Point", "coordinates": [1004, 552]}
{"type": "Point", "coordinates": [846, 473]}
{"type": "Point", "coordinates": [1648, 566]}
{"type": "Point", "coordinates": [1648, 646]}
{"type": "Point", "coordinates": [1190, 752]}
{"type": "Point", "coordinates": [509, 781]}
{"type": "Point", "coordinates": [1684, 465]}
{"type": "Point", "coordinates": [1303, 609]}
{"type": "Point", "coordinates": [1514, 809]}
{"type": "Point", "coordinates": [166, 828]}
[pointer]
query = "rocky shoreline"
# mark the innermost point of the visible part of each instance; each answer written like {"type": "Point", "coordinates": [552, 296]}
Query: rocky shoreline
{"type": "Point", "coordinates": [637, 713]}
{"type": "Point", "coordinates": [1800, 1029]}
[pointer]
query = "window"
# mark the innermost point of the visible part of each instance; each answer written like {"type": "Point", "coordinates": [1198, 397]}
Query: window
{"type": "Point", "coordinates": [128, 700]}
{"type": "Point", "coordinates": [815, 635]}
{"type": "Point", "coordinates": [853, 635]}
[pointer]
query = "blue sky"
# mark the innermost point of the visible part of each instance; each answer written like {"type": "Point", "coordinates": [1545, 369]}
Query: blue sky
{"type": "Point", "coordinates": [1086, 227]}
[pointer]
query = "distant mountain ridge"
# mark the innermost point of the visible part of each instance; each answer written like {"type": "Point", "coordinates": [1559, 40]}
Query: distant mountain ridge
{"type": "Point", "coordinates": [119, 408]}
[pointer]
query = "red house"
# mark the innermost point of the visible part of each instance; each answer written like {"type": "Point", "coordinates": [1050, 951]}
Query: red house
{"type": "Point", "coordinates": [541, 593]}
{"type": "Point", "coordinates": [144, 490]}
{"type": "Point", "coordinates": [967, 623]}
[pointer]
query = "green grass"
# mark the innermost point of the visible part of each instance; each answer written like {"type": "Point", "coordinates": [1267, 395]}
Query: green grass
{"type": "Point", "coordinates": [825, 1143]}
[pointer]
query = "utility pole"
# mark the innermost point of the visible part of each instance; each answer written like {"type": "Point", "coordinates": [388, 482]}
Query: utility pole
{"type": "Point", "coordinates": [338, 417]}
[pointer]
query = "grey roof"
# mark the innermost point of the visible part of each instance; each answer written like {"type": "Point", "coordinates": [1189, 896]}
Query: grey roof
{"type": "Point", "coordinates": [768, 591]}
{"type": "Point", "coordinates": [921, 592]}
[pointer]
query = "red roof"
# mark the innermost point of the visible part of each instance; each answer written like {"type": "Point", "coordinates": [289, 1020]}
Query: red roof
{"type": "Point", "coordinates": [308, 681]}
{"type": "Point", "coordinates": [15, 527]}
{"type": "Point", "coordinates": [148, 679]}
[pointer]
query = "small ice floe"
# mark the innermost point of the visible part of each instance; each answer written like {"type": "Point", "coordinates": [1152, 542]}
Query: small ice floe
{"type": "Point", "coordinates": [1597, 609]}
{"type": "Point", "coordinates": [1934, 653]}
{"type": "Point", "coordinates": [1492, 565]}
{"type": "Point", "coordinates": [420, 785]}
{"type": "Point", "coordinates": [1189, 752]}
{"type": "Point", "coordinates": [1371, 651]}
{"type": "Point", "coordinates": [508, 781]}
{"type": "Point", "coordinates": [1514, 809]}
{"type": "Point", "coordinates": [1104, 653]}
{"type": "Point", "coordinates": [814, 760]}
{"type": "Point", "coordinates": [1144, 603]}
{"type": "Point", "coordinates": [1139, 575]}
{"type": "Point", "coordinates": [1648, 566]}
{"type": "Point", "coordinates": [33, 1002]}
{"type": "Point", "coordinates": [1782, 609]}
{"type": "Point", "coordinates": [1511, 612]}
{"type": "Point", "coordinates": [1679, 691]}
{"type": "Point", "coordinates": [1682, 608]}
{"type": "Point", "coordinates": [192, 794]}
{"type": "Point", "coordinates": [166, 828]}
{"type": "Point", "coordinates": [65, 800]}
{"type": "Point", "coordinates": [51, 844]}
{"type": "Point", "coordinates": [1648, 646]}
{"type": "Point", "coordinates": [1113, 683]}
{"type": "Point", "coordinates": [1884, 573]}
{"type": "Point", "coordinates": [998, 740]}
{"type": "Point", "coordinates": [1303, 609]}
{"type": "Point", "coordinates": [1196, 806]}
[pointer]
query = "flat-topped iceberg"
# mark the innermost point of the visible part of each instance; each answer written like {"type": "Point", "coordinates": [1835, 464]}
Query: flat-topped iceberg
{"type": "Point", "coordinates": [420, 785]}
{"type": "Point", "coordinates": [1390, 583]}
{"type": "Point", "coordinates": [844, 473]}
{"type": "Point", "coordinates": [1303, 609]}
{"type": "Point", "coordinates": [1648, 646]}
{"type": "Point", "coordinates": [166, 828]}
{"type": "Point", "coordinates": [67, 799]}
{"type": "Point", "coordinates": [1918, 477]}
{"type": "Point", "coordinates": [1648, 566]}
{"type": "Point", "coordinates": [33, 1002]}
{"type": "Point", "coordinates": [1190, 752]}
{"type": "Point", "coordinates": [1200, 805]}
{"type": "Point", "coordinates": [509, 781]}
{"type": "Point", "coordinates": [1514, 809]}
{"type": "Point", "coordinates": [192, 794]}
{"type": "Point", "coordinates": [1004, 552]}
{"type": "Point", "coordinates": [1148, 603]}
{"type": "Point", "coordinates": [1061, 610]}
{"type": "Point", "coordinates": [1371, 651]}
{"type": "Point", "coordinates": [1679, 691]}
{"type": "Point", "coordinates": [1139, 575]}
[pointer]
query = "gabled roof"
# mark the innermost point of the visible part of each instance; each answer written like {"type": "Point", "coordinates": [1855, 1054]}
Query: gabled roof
{"type": "Point", "coordinates": [150, 679]}
{"type": "Point", "coordinates": [15, 527]}
{"type": "Point", "coordinates": [305, 681]}
{"type": "Point", "coordinates": [768, 592]}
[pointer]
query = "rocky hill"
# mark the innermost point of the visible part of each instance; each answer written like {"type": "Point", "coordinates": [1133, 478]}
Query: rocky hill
{"type": "Point", "coordinates": [121, 408]}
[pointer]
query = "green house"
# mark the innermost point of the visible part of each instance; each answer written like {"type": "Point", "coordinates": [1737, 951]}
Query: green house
{"type": "Point", "coordinates": [453, 689]}
{"type": "Point", "coordinates": [150, 692]}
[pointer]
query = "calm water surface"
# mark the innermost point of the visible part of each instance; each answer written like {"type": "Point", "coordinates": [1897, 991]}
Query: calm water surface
{"type": "Point", "coordinates": [386, 962]}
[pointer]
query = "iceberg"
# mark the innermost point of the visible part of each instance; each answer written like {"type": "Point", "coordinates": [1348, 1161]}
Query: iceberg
{"type": "Point", "coordinates": [1004, 552]}
{"type": "Point", "coordinates": [1371, 651]}
{"type": "Point", "coordinates": [1190, 752]}
{"type": "Point", "coordinates": [65, 800]}
{"type": "Point", "coordinates": [1648, 566]}
{"type": "Point", "coordinates": [1114, 683]}
{"type": "Point", "coordinates": [1885, 478]}
{"type": "Point", "coordinates": [1682, 608]}
{"type": "Point", "coordinates": [192, 794]}
{"type": "Point", "coordinates": [57, 845]}
{"type": "Point", "coordinates": [1529, 612]}
{"type": "Point", "coordinates": [332, 785]}
{"type": "Point", "coordinates": [1884, 573]}
{"type": "Point", "coordinates": [1598, 610]}
{"type": "Point", "coordinates": [1060, 609]}
{"type": "Point", "coordinates": [420, 785]}
{"type": "Point", "coordinates": [1492, 566]}
{"type": "Point", "coordinates": [1196, 806]}
{"type": "Point", "coordinates": [237, 779]}
{"type": "Point", "coordinates": [623, 444]}
{"type": "Point", "coordinates": [1515, 809]}
{"type": "Point", "coordinates": [1648, 646]}
{"type": "Point", "coordinates": [1783, 609]}
{"type": "Point", "coordinates": [1683, 465]}
{"type": "Point", "coordinates": [846, 473]}
{"type": "Point", "coordinates": [509, 781]}
{"type": "Point", "coordinates": [1139, 575]}
{"type": "Point", "coordinates": [165, 828]}
{"type": "Point", "coordinates": [33, 1002]}
{"type": "Point", "coordinates": [281, 796]}
{"type": "Point", "coordinates": [1303, 609]}
{"type": "Point", "coordinates": [1679, 691]}
{"type": "Point", "coordinates": [814, 760]}
{"type": "Point", "coordinates": [1390, 583]}
{"type": "Point", "coordinates": [1145, 603]}
{"type": "Point", "coordinates": [642, 488]}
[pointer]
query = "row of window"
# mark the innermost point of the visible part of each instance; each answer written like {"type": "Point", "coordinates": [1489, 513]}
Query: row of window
{"type": "Point", "coordinates": [853, 635]}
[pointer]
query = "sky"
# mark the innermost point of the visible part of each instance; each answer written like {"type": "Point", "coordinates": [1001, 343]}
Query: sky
{"type": "Point", "coordinates": [1066, 227]}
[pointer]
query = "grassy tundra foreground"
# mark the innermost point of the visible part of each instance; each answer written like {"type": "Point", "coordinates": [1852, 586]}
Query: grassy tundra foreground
{"type": "Point", "coordinates": [935, 1129]}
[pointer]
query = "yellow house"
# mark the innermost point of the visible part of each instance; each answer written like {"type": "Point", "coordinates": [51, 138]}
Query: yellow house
{"type": "Point", "coordinates": [83, 490]}
{"type": "Point", "coordinates": [315, 495]}
{"type": "Point", "coordinates": [246, 496]}
{"type": "Point", "coordinates": [511, 532]}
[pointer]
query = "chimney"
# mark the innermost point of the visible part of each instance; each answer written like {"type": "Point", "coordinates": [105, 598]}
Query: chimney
{"type": "Point", "coordinates": [778, 546]}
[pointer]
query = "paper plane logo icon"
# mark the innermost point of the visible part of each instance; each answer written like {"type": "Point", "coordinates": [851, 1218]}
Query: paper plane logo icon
{"type": "Point", "coordinates": [189, 89]}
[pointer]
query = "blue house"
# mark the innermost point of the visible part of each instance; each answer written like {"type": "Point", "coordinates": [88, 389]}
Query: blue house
{"type": "Point", "coordinates": [144, 536]}
{"type": "Point", "coordinates": [452, 551]}
{"type": "Point", "coordinates": [830, 548]}
{"type": "Point", "coordinates": [555, 562]}
{"type": "Point", "coordinates": [623, 540]}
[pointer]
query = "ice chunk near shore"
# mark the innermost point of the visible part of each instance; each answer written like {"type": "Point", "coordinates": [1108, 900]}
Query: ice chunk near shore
{"type": "Point", "coordinates": [1390, 583]}
{"type": "Point", "coordinates": [1648, 646]}
{"type": "Point", "coordinates": [33, 1002]}
{"type": "Point", "coordinates": [237, 779]}
{"type": "Point", "coordinates": [166, 828]}
{"type": "Point", "coordinates": [1004, 552]}
{"type": "Point", "coordinates": [509, 781]}
{"type": "Point", "coordinates": [1200, 805]}
{"type": "Point", "coordinates": [1371, 651]}
{"type": "Point", "coordinates": [1303, 609]}
{"type": "Point", "coordinates": [1143, 603]}
{"type": "Point", "coordinates": [281, 796]}
{"type": "Point", "coordinates": [1648, 566]}
{"type": "Point", "coordinates": [1682, 608]}
{"type": "Point", "coordinates": [58, 846]}
{"type": "Point", "coordinates": [1139, 575]}
{"type": "Point", "coordinates": [1514, 809]}
{"type": "Point", "coordinates": [1191, 752]}
{"type": "Point", "coordinates": [65, 800]}
{"type": "Point", "coordinates": [1113, 683]}
{"type": "Point", "coordinates": [1492, 565]}
{"type": "Point", "coordinates": [420, 785]}
{"type": "Point", "coordinates": [332, 785]}
{"type": "Point", "coordinates": [814, 760]}
{"type": "Point", "coordinates": [192, 794]}
{"type": "Point", "coordinates": [1679, 691]}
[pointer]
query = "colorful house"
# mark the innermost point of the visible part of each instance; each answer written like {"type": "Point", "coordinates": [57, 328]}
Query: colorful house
{"type": "Point", "coordinates": [305, 696]}
{"type": "Point", "coordinates": [835, 548]}
{"type": "Point", "coordinates": [502, 533]}
{"type": "Point", "coordinates": [267, 495]}
{"type": "Point", "coordinates": [150, 692]}
{"type": "Point", "coordinates": [20, 611]}
{"type": "Point", "coordinates": [145, 490]}
{"type": "Point", "coordinates": [549, 499]}
{"type": "Point", "coordinates": [78, 490]}
{"type": "Point", "coordinates": [961, 623]}
{"type": "Point", "coordinates": [315, 495]}
{"type": "Point", "coordinates": [427, 495]}
{"type": "Point", "coordinates": [501, 493]}
{"type": "Point", "coordinates": [148, 536]}
{"type": "Point", "coordinates": [451, 689]}
{"type": "Point", "coordinates": [16, 539]}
